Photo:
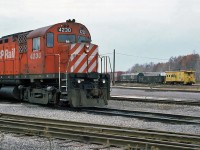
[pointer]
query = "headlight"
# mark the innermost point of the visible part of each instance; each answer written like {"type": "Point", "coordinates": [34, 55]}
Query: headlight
{"type": "Point", "coordinates": [79, 80]}
{"type": "Point", "coordinates": [104, 81]}
{"type": "Point", "coordinates": [87, 46]}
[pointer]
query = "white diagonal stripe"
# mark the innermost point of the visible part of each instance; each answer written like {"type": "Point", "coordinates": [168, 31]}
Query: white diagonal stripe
{"type": "Point", "coordinates": [91, 46]}
{"type": "Point", "coordinates": [72, 46]}
{"type": "Point", "coordinates": [71, 59]}
{"type": "Point", "coordinates": [85, 64]}
{"type": "Point", "coordinates": [79, 60]}
{"type": "Point", "coordinates": [83, 55]}
{"type": "Point", "coordinates": [93, 66]}
{"type": "Point", "coordinates": [94, 54]}
{"type": "Point", "coordinates": [78, 49]}
{"type": "Point", "coordinates": [83, 67]}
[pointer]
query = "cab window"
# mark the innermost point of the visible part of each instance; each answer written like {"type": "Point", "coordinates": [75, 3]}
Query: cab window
{"type": "Point", "coordinates": [50, 41]}
{"type": "Point", "coordinates": [83, 39]}
{"type": "Point", "coordinates": [66, 38]}
{"type": "Point", "coordinates": [36, 43]}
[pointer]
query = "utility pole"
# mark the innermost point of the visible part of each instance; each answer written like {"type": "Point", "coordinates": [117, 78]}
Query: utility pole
{"type": "Point", "coordinates": [114, 67]}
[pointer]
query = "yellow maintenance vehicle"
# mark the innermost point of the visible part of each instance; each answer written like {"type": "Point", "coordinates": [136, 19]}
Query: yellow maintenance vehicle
{"type": "Point", "coordinates": [180, 77]}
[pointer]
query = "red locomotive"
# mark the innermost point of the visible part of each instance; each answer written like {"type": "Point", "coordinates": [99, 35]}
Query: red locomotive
{"type": "Point", "coordinates": [56, 64]}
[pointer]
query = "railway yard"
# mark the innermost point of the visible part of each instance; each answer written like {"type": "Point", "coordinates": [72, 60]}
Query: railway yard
{"type": "Point", "coordinates": [56, 93]}
{"type": "Point", "coordinates": [134, 118]}
{"type": "Point", "coordinates": [119, 75]}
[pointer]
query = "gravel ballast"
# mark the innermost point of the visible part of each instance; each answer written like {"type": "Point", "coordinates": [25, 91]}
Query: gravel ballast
{"type": "Point", "coordinates": [48, 112]}
{"type": "Point", "coordinates": [22, 142]}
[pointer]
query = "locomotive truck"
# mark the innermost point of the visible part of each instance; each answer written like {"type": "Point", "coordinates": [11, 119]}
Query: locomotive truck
{"type": "Point", "coordinates": [56, 64]}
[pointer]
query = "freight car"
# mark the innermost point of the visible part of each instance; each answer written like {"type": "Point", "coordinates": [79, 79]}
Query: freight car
{"type": "Point", "coordinates": [130, 77]}
{"type": "Point", "coordinates": [168, 77]}
{"type": "Point", "coordinates": [143, 77]}
{"type": "Point", "coordinates": [180, 77]}
{"type": "Point", "coordinates": [56, 64]}
{"type": "Point", "coordinates": [152, 78]}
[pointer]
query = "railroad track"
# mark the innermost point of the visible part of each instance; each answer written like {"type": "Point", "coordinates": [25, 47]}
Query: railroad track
{"type": "Point", "coordinates": [150, 88]}
{"type": "Point", "coordinates": [94, 133]}
{"type": "Point", "coordinates": [150, 116]}
{"type": "Point", "coordinates": [159, 100]}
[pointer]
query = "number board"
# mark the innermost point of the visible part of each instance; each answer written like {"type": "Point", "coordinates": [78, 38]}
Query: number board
{"type": "Point", "coordinates": [64, 30]}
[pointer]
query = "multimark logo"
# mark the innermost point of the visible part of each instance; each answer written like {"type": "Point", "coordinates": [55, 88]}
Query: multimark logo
{"type": "Point", "coordinates": [6, 54]}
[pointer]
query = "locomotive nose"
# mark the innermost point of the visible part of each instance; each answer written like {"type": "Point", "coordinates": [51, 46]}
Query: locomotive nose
{"type": "Point", "coordinates": [96, 92]}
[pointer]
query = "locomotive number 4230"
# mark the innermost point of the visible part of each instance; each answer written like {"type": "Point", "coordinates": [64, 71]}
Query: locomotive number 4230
{"type": "Point", "coordinates": [64, 30]}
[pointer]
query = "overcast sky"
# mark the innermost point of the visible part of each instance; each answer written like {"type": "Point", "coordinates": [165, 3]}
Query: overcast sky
{"type": "Point", "coordinates": [141, 31]}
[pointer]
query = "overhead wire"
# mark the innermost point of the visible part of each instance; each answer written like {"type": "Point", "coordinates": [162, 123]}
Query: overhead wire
{"type": "Point", "coordinates": [130, 55]}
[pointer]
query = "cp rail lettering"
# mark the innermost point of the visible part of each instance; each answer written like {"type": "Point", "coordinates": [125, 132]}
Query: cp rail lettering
{"type": "Point", "coordinates": [7, 54]}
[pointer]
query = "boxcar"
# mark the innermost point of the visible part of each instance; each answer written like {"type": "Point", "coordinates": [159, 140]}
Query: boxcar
{"type": "Point", "coordinates": [152, 77]}
{"type": "Point", "coordinates": [130, 77]}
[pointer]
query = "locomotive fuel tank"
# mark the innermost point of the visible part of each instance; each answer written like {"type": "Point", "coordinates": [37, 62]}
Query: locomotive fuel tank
{"type": "Point", "coordinates": [10, 92]}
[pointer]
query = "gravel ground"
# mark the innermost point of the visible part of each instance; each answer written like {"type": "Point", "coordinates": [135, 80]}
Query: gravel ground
{"type": "Point", "coordinates": [21, 142]}
{"type": "Point", "coordinates": [156, 107]}
{"type": "Point", "coordinates": [176, 86]}
{"type": "Point", "coordinates": [159, 94]}
{"type": "Point", "coordinates": [47, 112]}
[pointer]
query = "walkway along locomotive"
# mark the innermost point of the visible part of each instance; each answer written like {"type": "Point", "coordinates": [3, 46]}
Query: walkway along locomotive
{"type": "Point", "coordinates": [56, 64]}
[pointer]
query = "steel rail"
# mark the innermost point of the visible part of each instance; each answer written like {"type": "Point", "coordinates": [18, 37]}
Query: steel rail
{"type": "Point", "coordinates": [97, 133]}
{"type": "Point", "coordinates": [154, 100]}
{"type": "Point", "coordinates": [150, 116]}
{"type": "Point", "coordinates": [158, 89]}
{"type": "Point", "coordinates": [150, 133]}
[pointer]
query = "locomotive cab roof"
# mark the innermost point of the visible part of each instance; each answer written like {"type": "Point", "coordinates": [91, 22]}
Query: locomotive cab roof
{"type": "Point", "coordinates": [76, 29]}
{"type": "Point", "coordinates": [39, 32]}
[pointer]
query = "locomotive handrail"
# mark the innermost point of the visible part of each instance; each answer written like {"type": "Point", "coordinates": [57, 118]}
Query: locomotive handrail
{"type": "Point", "coordinates": [105, 63]}
{"type": "Point", "coordinates": [58, 66]}
{"type": "Point", "coordinates": [110, 64]}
